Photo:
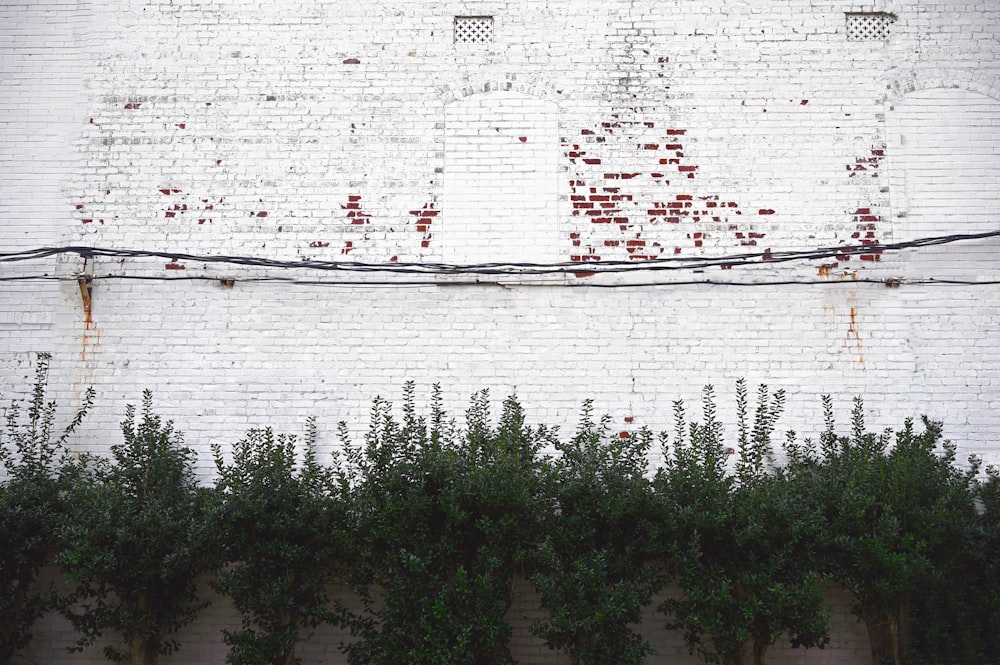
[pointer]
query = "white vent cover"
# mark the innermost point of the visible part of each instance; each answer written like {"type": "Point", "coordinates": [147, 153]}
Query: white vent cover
{"type": "Point", "coordinates": [869, 26]}
{"type": "Point", "coordinates": [473, 29]}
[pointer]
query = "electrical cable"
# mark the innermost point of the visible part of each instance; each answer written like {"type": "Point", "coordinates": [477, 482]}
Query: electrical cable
{"type": "Point", "coordinates": [488, 268]}
{"type": "Point", "coordinates": [595, 285]}
{"type": "Point", "coordinates": [499, 269]}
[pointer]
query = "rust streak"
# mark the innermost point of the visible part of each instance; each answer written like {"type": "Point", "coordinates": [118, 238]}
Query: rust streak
{"type": "Point", "coordinates": [86, 293]}
{"type": "Point", "coordinates": [853, 333]}
{"type": "Point", "coordinates": [86, 290]}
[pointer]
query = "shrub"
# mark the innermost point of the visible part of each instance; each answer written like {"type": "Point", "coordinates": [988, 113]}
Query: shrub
{"type": "Point", "coordinates": [282, 525]}
{"type": "Point", "coordinates": [596, 568]}
{"type": "Point", "coordinates": [774, 538]}
{"type": "Point", "coordinates": [431, 524]}
{"type": "Point", "coordinates": [136, 539]}
{"type": "Point", "coordinates": [741, 550]}
{"type": "Point", "coordinates": [445, 519]}
{"type": "Point", "coordinates": [987, 545]}
{"type": "Point", "coordinates": [955, 619]}
{"type": "Point", "coordinates": [32, 498]}
{"type": "Point", "coordinates": [893, 517]}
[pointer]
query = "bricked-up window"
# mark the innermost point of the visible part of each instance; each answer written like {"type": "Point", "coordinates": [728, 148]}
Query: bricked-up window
{"type": "Point", "coordinates": [501, 179]}
{"type": "Point", "coordinates": [869, 26]}
{"type": "Point", "coordinates": [474, 30]}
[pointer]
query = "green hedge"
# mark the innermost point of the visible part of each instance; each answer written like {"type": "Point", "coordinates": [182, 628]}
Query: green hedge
{"type": "Point", "coordinates": [430, 522]}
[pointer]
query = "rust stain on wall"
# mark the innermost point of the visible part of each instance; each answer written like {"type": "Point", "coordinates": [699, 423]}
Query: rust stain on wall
{"type": "Point", "coordinates": [90, 333]}
{"type": "Point", "coordinates": [854, 334]}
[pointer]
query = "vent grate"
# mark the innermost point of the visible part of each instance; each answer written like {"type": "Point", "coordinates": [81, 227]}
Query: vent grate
{"type": "Point", "coordinates": [473, 29]}
{"type": "Point", "coordinates": [869, 26]}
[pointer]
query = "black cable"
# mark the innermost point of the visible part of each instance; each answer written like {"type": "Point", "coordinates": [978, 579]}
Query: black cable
{"type": "Point", "coordinates": [509, 268]}
{"type": "Point", "coordinates": [893, 282]}
{"type": "Point", "coordinates": [796, 282]}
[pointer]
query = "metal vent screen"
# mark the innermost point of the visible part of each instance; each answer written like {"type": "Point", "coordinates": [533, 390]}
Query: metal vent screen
{"type": "Point", "coordinates": [473, 29]}
{"type": "Point", "coordinates": [869, 26]}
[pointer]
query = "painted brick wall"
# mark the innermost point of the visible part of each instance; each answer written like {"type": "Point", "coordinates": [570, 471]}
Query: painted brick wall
{"type": "Point", "coordinates": [43, 64]}
{"type": "Point", "coordinates": [201, 643]}
{"type": "Point", "coordinates": [689, 132]}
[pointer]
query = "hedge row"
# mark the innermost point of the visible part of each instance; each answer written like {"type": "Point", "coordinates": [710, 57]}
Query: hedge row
{"type": "Point", "coordinates": [429, 522]}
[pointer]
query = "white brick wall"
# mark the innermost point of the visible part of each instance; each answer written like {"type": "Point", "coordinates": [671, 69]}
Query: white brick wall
{"type": "Point", "coordinates": [335, 131]}
{"type": "Point", "coordinates": [202, 644]}
{"type": "Point", "coordinates": [43, 66]}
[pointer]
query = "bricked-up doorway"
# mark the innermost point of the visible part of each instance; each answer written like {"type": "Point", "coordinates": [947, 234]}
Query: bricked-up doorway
{"type": "Point", "coordinates": [500, 179]}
